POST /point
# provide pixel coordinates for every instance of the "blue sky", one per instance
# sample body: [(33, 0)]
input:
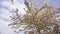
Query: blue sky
[(6, 6)]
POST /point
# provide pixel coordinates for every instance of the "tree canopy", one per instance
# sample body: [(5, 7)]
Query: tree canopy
[(37, 20)]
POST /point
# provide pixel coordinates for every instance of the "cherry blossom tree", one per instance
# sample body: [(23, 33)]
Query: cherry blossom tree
[(37, 20)]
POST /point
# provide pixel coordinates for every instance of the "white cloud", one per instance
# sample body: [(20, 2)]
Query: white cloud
[(4, 29), (16, 4), (5, 13)]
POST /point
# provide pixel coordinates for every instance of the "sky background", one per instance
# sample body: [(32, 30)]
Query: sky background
[(6, 6)]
